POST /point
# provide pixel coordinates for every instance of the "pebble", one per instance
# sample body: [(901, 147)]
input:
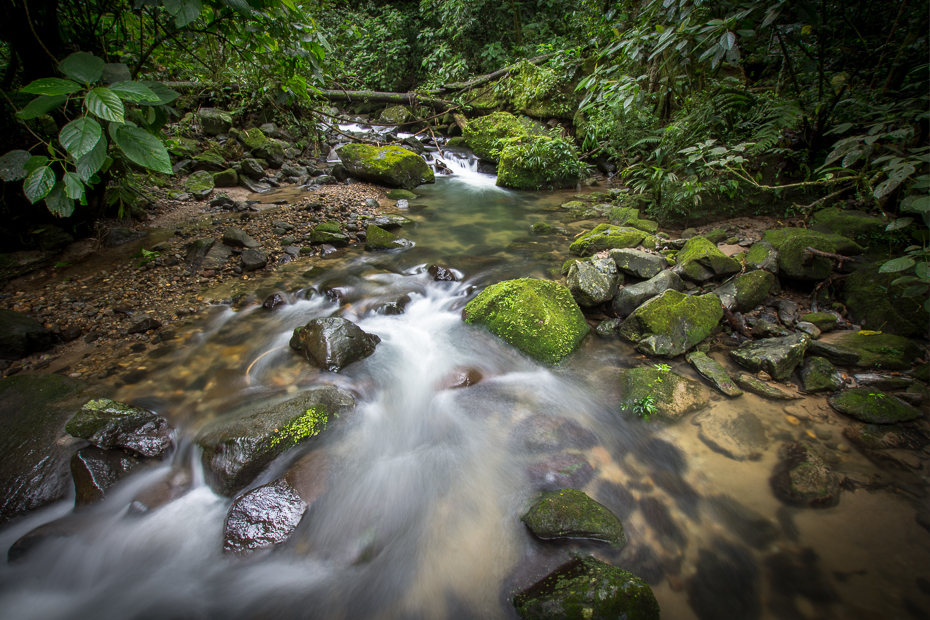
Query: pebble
[(793, 420)]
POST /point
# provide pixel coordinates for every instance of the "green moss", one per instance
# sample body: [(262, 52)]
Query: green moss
[(199, 183), (621, 215), (392, 165), (716, 236), (675, 395), (538, 317), (484, 134), (824, 321), (645, 225), (379, 239), (854, 225), (569, 513), (456, 142), (571, 205), (885, 351), (606, 237), (401, 194), (881, 306), (537, 162), (671, 323), (873, 406), (310, 424), (700, 260), (330, 226)]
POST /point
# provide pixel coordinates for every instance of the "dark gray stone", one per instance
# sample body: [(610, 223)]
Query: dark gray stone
[(94, 471), (638, 263), (333, 343), (253, 259), (109, 424), (631, 297), (21, 335), (237, 238), (711, 370), (263, 517), (776, 356)]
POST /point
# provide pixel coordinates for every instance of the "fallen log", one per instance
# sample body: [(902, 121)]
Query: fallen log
[(411, 99)]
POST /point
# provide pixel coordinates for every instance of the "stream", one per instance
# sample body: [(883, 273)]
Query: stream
[(418, 514)]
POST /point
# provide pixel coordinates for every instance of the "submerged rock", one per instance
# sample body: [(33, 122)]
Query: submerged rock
[(390, 165), (538, 317), (675, 396), (108, 424), (569, 513), (333, 343), (776, 356), (263, 517), (761, 388), (873, 406), (711, 370), (879, 350), (21, 335), (631, 297), (379, 239), (802, 478), (671, 323), (736, 434), (587, 589), (819, 375), (565, 470)]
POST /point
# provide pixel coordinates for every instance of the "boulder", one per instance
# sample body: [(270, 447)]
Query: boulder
[(675, 395), (879, 305), (226, 178), (637, 263), (762, 256), (761, 388), (263, 517), (631, 297), (879, 350), (94, 471), (269, 149), (199, 184), (379, 239), (883, 382), (569, 513), (483, 135), (390, 222), (390, 165), (746, 291), (711, 370), (237, 238), (252, 169), (791, 243), (819, 375), (776, 356), (211, 161), (238, 446), (333, 343), (395, 115), (252, 260), (565, 470), (538, 317), (537, 162), (873, 406), (589, 286), (837, 354), (801, 478), (824, 321), (587, 589), (109, 424), (700, 260), (738, 435), (213, 121), (856, 225), (671, 323), (21, 335), (401, 194), (606, 237)]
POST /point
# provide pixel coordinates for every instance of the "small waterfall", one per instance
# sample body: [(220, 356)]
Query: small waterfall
[(464, 167)]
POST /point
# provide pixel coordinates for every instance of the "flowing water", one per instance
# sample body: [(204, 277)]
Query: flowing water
[(422, 486)]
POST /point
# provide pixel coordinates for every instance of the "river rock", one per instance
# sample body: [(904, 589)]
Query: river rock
[(725, 584), (883, 382), (199, 184), (776, 356), (801, 478), (94, 471), (390, 222), (225, 178), (791, 243), (538, 317), (761, 388), (263, 517), (269, 149), (238, 446), (745, 292), (379, 239), (274, 301), (21, 335), (401, 194), (251, 169), (676, 396), (569, 513), (587, 589), (819, 375), (808, 328), (34, 450), (542, 432), (700, 260), (109, 424), (825, 321), (637, 263), (739, 435), (671, 323), (606, 237), (762, 256), (837, 354), (438, 273), (214, 121), (390, 165), (631, 297), (565, 470), (333, 343), (873, 406), (237, 238), (880, 350), (711, 370), (252, 260), (589, 286), (879, 305), (764, 328)]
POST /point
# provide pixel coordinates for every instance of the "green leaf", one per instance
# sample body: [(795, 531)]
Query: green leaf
[(904, 280), (13, 165), (896, 265), (39, 183), (34, 162), (41, 105), (914, 291), (727, 39), (80, 136), (240, 5), (923, 271), (188, 11), (89, 164), (898, 224), (165, 95), (920, 204), (74, 187), (143, 148), (51, 86), (82, 67), (105, 104), (134, 91), (58, 201)]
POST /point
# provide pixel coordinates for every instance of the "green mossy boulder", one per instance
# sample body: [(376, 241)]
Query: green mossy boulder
[(569, 513), (484, 134), (538, 317), (390, 165), (745, 292), (676, 396), (200, 184), (711, 370), (883, 351), (537, 162), (457, 142), (573, 205), (671, 323), (856, 225), (762, 256), (716, 235), (587, 589), (619, 216), (700, 260), (791, 243), (379, 239), (776, 356), (873, 406), (213, 121), (226, 178), (825, 321), (648, 226), (763, 389), (401, 194), (819, 375), (881, 306), (329, 232), (211, 160), (263, 147), (588, 285), (606, 237), (396, 114)]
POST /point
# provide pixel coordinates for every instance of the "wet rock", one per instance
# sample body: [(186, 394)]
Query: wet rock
[(461, 377), (700, 260), (199, 184), (237, 238), (34, 450), (252, 169), (761, 388), (438, 273), (819, 375), (569, 513), (109, 424), (883, 382), (263, 517), (671, 323), (252, 260), (308, 476), (880, 350), (878, 304), (711, 370), (792, 261), (802, 478), (762, 256), (390, 165), (21, 335), (637, 263), (808, 328), (237, 447), (214, 121), (379, 239), (333, 343), (873, 406), (397, 306), (94, 471), (589, 286), (329, 232), (146, 324), (538, 317), (587, 589), (401, 194), (837, 354), (171, 487), (542, 432), (253, 186), (606, 237), (747, 291), (764, 328), (629, 298), (888, 445), (776, 356), (676, 396), (725, 584), (608, 327), (391, 222), (736, 434), (225, 178), (825, 321), (274, 301), (59, 529), (119, 236), (565, 470)]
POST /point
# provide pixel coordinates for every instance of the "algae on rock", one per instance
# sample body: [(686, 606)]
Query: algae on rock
[(675, 395), (570, 513), (391, 165), (671, 323)]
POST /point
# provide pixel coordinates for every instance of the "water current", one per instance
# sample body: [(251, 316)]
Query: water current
[(421, 488)]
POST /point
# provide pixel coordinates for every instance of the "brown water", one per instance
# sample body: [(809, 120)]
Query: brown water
[(420, 517)]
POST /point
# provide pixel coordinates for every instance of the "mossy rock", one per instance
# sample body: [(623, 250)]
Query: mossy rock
[(884, 351), (574, 205), (570, 514), (873, 406), (747, 291), (824, 321), (711, 370), (819, 375), (330, 226), (699, 260), (644, 225), (184, 148), (762, 255), (791, 243), (396, 114), (200, 184), (214, 121), (226, 178), (676, 396), (776, 356), (536, 162), (801, 478), (379, 239), (109, 424), (587, 589), (671, 323), (210, 160), (401, 194), (390, 165), (457, 142), (881, 306), (715, 236), (484, 134), (263, 147), (619, 216), (606, 237), (538, 317), (855, 225)]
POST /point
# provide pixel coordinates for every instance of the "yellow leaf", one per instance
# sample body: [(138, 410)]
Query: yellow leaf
[(866, 332), (806, 29)]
